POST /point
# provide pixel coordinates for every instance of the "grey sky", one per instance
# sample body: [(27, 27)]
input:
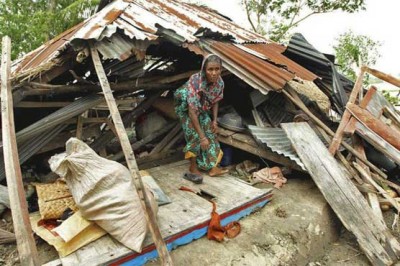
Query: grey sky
[(378, 22)]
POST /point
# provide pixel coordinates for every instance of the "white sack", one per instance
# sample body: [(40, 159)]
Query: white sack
[(104, 192)]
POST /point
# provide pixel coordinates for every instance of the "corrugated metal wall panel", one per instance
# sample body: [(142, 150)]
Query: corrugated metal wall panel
[(277, 141)]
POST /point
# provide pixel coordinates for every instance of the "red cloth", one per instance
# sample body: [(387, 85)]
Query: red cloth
[(216, 231)]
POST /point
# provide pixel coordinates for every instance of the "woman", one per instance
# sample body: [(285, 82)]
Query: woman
[(195, 102)]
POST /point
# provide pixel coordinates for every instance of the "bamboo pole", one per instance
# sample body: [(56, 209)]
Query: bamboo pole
[(19, 208), (130, 159)]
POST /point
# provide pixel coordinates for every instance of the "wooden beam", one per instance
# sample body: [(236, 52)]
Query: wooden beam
[(130, 159), (331, 133), (375, 239), (6, 237), (337, 138), (25, 242), (151, 83), (351, 125), (376, 125), (385, 77)]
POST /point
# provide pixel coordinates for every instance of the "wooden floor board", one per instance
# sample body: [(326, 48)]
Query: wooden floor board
[(187, 210)]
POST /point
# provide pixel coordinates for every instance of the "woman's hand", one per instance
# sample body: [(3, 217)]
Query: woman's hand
[(204, 143), (214, 127)]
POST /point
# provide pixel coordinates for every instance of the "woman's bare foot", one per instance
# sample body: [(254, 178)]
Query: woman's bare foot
[(215, 171)]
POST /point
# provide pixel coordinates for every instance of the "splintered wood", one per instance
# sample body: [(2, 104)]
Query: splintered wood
[(373, 236)]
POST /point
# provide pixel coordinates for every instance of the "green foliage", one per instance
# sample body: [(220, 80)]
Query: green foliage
[(355, 50), (30, 23), (392, 99), (276, 18)]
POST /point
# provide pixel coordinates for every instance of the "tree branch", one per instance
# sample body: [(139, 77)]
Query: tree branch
[(248, 15)]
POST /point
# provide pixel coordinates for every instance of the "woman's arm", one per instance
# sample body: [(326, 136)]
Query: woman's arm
[(214, 125), (204, 143)]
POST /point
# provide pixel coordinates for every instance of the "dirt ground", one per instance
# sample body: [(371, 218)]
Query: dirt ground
[(296, 228)]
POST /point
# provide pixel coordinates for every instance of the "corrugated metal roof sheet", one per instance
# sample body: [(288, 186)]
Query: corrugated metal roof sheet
[(29, 148), (273, 52), (277, 141), (139, 20), (299, 46), (274, 108), (302, 52), (267, 75)]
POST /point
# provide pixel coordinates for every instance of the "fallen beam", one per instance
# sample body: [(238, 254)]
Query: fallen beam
[(373, 236), (130, 158)]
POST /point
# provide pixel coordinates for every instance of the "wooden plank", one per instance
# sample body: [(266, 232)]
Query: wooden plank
[(337, 138), (130, 158), (391, 115), (375, 239), (25, 242), (376, 125), (331, 133)]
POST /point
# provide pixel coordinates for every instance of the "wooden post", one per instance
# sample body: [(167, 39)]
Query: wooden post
[(79, 127), (130, 158), (23, 232), (337, 138)]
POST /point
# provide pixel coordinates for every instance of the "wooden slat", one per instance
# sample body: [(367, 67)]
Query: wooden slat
[(375, 239), (376, 125), (25, 243), (130, 158), (337, 138)]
